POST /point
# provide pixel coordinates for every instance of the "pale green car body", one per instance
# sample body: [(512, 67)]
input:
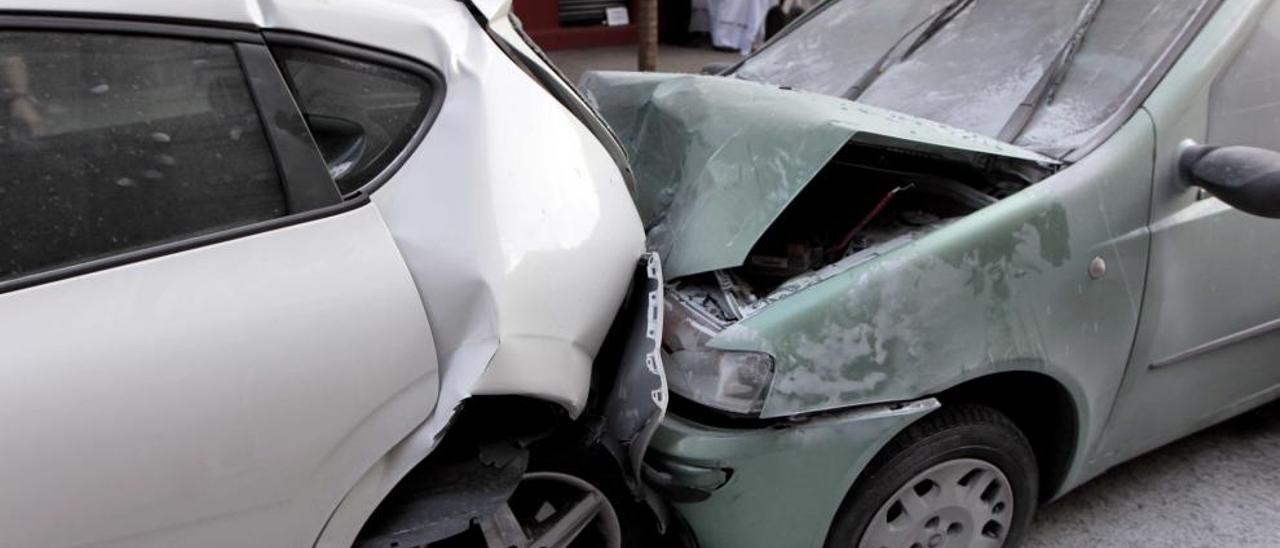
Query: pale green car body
[(1176, 334)]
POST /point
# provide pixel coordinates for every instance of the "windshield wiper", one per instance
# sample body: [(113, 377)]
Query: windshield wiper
[(1047, 87), (931, 25)]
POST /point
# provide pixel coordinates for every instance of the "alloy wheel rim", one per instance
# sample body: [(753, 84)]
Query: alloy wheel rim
[(566, 512), (959, 503)]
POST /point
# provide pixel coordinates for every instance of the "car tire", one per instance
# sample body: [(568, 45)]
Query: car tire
[(962, 476)]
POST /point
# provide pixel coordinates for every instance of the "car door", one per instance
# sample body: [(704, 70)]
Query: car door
[(201, 342), (1207, 342)]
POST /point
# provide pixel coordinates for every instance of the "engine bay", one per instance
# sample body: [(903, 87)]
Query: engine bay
[(866, 202)]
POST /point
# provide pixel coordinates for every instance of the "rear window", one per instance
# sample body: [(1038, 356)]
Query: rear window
[(362, 115)]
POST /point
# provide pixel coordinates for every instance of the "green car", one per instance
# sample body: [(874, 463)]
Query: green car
[(931, 264)]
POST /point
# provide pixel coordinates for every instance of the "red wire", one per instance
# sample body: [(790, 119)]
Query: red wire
[(844, 244)]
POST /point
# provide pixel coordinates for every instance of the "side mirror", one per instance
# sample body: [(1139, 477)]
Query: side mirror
[(1246, 178)]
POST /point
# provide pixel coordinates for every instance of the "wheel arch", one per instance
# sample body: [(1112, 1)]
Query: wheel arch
[(1042, 407), (399, 463)]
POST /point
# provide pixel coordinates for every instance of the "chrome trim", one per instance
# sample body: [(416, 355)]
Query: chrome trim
[(886, 410), (1221, 342)]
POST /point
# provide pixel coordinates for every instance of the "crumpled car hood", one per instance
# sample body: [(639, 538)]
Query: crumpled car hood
[(718, 159)]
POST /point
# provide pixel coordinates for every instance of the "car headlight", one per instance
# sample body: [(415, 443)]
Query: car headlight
[(731, 381)]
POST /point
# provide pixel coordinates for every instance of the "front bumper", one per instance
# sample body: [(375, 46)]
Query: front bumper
[(773, 486)]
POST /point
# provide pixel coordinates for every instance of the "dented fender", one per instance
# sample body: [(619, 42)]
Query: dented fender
[(1006, 288)]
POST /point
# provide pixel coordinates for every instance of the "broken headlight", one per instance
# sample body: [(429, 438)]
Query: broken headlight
[(727, 380)]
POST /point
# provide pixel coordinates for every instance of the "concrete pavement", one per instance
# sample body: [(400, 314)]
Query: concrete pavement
[(1218, 488)]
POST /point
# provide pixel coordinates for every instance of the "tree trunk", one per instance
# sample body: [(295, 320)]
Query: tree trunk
[(647, 23)]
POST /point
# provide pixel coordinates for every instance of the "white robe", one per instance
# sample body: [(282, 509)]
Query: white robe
[(734, 24)]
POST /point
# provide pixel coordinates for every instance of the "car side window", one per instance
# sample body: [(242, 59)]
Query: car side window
[(363, 115), (1244, 103), (110, 143)]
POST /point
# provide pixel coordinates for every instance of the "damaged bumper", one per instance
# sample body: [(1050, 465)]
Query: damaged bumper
[(637, 402), (777, 485)]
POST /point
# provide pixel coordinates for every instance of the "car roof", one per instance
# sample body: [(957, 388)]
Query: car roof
[(395, 25), (242, 12), (236, 12)]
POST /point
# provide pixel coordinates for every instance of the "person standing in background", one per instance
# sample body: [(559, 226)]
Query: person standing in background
[(783, 14)]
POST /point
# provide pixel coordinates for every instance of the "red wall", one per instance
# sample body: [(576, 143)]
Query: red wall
[(542, 21)]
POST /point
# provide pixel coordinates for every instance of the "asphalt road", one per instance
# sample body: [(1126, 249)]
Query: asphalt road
[(1218, 488)]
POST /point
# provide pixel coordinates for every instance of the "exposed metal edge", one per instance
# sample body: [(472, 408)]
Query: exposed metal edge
[(1221, 342), (868, 412), (886, 410)]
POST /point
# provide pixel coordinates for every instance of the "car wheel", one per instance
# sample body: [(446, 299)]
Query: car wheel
[(554, 509), (964, 476)]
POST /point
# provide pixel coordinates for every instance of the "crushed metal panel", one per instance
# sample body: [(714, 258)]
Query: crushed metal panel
[(1005, 288), (638, 401), (718, 159)]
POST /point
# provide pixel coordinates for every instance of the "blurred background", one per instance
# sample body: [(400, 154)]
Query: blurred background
[(664, 35)]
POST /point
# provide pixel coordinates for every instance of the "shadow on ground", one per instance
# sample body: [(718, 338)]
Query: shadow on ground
[(1218, 488)]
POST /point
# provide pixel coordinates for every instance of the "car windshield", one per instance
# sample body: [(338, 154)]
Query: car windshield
[(978, 67)]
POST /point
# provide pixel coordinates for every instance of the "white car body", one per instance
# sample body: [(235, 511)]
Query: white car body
[(270, 390)]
